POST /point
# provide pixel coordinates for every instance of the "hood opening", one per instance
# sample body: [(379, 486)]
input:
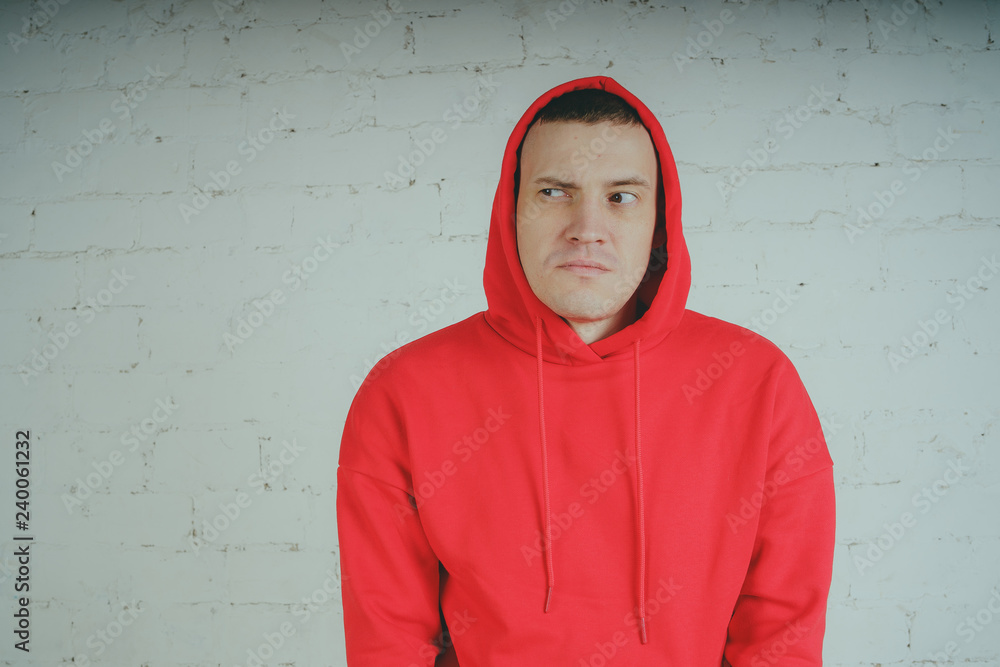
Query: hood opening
[(513, 306)]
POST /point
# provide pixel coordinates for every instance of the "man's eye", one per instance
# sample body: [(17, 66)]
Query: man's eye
[(623, 198), (552, 192)]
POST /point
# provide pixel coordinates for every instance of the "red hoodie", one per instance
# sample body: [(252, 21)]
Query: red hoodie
[(508, 495)]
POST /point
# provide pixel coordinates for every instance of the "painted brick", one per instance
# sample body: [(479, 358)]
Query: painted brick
[(901, 76), (440, 40)]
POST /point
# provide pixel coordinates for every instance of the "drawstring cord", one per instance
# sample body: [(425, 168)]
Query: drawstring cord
[(550, 574), (549, 568), (640, 506)]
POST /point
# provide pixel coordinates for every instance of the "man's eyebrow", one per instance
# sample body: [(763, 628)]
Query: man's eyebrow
[(567, 185), (554, 182), (631, 180)]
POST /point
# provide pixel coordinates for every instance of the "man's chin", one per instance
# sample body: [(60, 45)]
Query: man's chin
[(588, 309)]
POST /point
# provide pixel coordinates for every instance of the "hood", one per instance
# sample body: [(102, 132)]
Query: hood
[(520, 317), (513, 309)]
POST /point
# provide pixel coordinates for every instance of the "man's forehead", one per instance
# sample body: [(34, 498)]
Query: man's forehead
[(581, 144)]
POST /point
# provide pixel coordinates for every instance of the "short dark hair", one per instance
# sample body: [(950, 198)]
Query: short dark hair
[(590, 106)]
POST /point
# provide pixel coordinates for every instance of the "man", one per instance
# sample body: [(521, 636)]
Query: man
[(587, 472)]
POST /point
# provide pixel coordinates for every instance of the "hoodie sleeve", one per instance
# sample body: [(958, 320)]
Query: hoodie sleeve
[(389, 573), (780, 615)]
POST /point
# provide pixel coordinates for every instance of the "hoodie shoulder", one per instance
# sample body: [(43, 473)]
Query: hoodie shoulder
[(717, 333), (432, 351)]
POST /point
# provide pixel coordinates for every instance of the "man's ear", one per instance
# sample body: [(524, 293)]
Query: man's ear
[(660, 230), (659, 234)]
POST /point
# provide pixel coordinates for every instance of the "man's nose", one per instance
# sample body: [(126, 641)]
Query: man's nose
[(587, 221)]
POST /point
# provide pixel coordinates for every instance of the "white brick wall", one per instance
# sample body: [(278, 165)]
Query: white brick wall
[(136, 539)]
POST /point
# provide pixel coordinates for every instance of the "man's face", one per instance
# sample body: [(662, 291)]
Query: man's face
[(586, 212)]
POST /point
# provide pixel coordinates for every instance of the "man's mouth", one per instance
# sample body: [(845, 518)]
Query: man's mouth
[(585, 267)]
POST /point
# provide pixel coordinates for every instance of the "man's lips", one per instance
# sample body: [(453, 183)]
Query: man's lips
[(584, 267)]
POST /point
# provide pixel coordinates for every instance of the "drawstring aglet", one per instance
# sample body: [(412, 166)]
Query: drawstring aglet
[(548, 599), (642, 629)]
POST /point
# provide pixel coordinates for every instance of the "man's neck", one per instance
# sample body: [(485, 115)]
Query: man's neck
[(591, 331)]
